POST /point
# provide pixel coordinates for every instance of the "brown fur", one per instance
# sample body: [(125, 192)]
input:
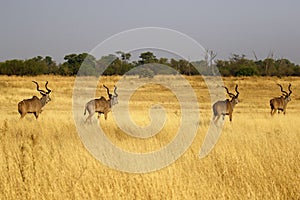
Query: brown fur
[(222, 108), (35, 104), (101, 105), (280, 103)]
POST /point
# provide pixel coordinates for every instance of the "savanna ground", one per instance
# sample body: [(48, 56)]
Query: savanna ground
[(256, 157)]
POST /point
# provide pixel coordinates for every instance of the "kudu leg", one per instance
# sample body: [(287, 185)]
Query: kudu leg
[(99, 114), (36, 114), (89, 118), (284, 109), (217, 118), (23, 115), (273, 111)]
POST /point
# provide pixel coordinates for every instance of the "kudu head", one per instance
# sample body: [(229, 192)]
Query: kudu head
[(45, 95), (112, 97), (234, 98), (286, 95)]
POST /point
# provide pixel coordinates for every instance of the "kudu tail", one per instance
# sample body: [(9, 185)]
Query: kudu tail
[(215, 113), (20, 105), (271, 103)]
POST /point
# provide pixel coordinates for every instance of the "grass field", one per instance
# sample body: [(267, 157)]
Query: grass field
[(256, 157)]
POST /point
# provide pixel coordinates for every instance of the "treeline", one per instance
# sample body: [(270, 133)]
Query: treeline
[(241, 66), (119, 64)]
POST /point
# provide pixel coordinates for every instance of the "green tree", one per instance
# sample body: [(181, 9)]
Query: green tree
[(73, 62), (125, 57), (270, 69), (109, 62), (52, 67), (147, 57), (12, 67)]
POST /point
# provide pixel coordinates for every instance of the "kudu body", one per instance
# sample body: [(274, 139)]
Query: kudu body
[(280, 103), (35, 104), (101, 105), (225, 107)]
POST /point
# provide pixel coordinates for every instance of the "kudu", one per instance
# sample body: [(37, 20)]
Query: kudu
[(225, 107), (280, 103), (101, 105), (35, 104)]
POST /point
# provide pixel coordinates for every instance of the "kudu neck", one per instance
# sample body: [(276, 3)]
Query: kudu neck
[(110, 103), (233, 102), (43, 100)]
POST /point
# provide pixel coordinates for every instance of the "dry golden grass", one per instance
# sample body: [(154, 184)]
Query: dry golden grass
[(256, 157)]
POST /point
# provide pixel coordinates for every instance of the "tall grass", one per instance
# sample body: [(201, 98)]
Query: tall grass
[(256, 157)]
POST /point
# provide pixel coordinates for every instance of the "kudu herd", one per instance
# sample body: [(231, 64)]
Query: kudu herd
[(222, 108), (101, 105), (280, 103), (35, 104), (104, 106)]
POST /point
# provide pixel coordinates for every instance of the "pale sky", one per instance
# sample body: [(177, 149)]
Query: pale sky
[(57, 28)]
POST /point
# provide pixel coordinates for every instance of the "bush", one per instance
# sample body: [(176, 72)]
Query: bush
[(247, 71)]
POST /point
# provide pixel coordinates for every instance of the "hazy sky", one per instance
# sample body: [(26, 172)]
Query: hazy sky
[(56, 28)]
